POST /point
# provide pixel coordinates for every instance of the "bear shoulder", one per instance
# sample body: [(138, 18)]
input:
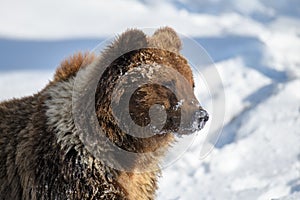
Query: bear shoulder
[(71, 65)]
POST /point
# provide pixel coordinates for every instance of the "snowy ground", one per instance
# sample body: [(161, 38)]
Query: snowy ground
[(255, 46)]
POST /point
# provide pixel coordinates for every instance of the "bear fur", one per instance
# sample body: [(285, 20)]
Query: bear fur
[(43, 158)]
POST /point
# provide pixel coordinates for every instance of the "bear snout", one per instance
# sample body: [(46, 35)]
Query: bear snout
[(200, 118), (192, 119)]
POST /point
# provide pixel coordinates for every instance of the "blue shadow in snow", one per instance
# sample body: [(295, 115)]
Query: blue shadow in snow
[(30, 54), (230, 130), (250, 49)]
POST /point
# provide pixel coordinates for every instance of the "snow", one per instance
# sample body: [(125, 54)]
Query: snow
[(17, 84), (255, 46)]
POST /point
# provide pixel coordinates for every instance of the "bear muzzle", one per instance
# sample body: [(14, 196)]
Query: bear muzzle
[(200, 118), (193, 120)]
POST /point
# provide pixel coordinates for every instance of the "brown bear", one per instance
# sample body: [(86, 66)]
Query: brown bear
[(50, 146)]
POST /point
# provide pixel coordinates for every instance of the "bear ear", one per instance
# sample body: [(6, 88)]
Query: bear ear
[(130, 40), (165, 38)]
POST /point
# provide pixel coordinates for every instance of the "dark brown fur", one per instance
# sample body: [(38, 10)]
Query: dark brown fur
[(35, 164)]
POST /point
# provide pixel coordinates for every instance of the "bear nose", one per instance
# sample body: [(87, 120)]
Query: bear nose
[(201, 117)]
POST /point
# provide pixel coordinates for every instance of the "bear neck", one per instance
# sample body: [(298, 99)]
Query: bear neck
[(136, 185)]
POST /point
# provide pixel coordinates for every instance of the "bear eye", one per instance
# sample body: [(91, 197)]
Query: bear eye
[(170, 83)]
